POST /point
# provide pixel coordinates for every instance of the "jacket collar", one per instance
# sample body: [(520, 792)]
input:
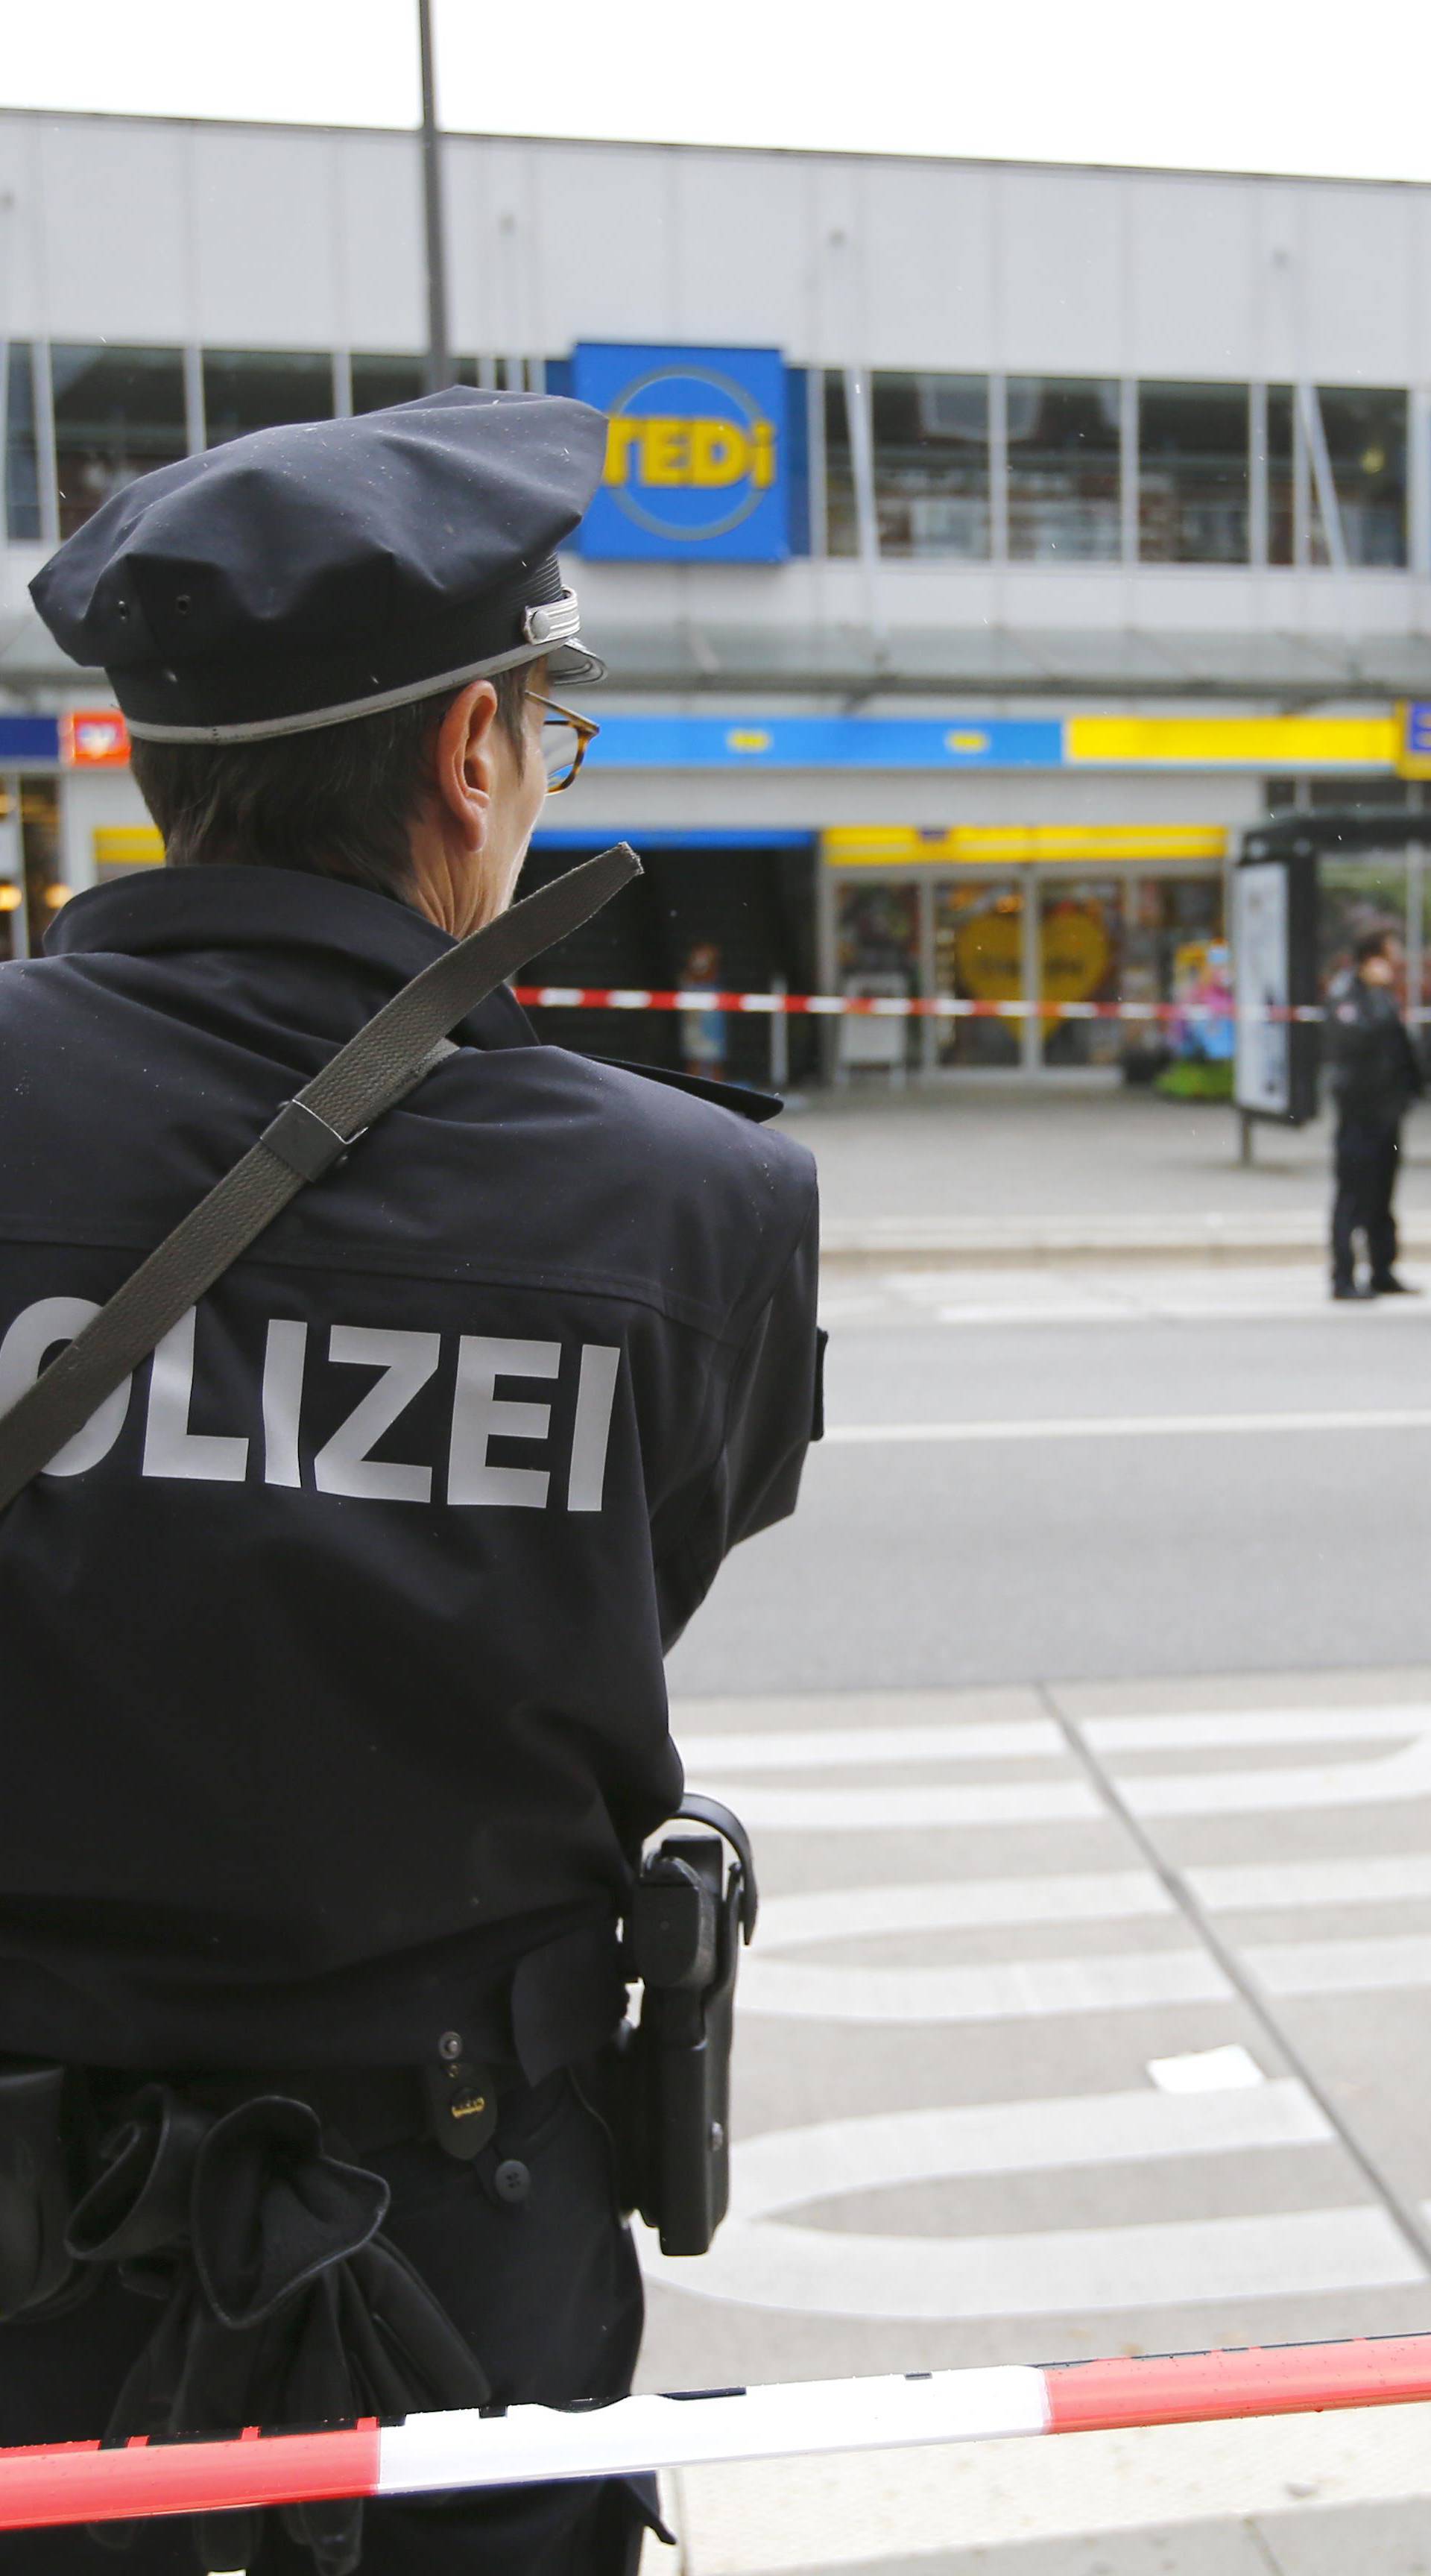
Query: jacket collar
[(168, 910)]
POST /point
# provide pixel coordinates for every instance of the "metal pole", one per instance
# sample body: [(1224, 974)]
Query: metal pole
[(1323, 479), (439, 360), (779, 1037)]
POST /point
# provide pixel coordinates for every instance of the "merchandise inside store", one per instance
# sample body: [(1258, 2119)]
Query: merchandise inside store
[(1029, 937)]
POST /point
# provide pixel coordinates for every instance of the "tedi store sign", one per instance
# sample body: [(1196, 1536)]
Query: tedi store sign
[(695, 454)]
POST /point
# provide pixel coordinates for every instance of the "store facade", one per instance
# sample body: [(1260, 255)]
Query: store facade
[(961, 610)]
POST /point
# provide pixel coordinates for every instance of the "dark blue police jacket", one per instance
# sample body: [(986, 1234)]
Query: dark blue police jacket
[(331, 1649)]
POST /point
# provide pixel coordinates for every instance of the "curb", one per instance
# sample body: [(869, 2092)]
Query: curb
[(945, 1243)]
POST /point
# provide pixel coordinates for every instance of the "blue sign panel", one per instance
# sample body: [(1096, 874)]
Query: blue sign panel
[(828, 742), (696, 467), (26, 738), (1416, 738)]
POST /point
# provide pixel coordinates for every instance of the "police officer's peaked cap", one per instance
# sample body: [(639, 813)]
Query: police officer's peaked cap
[(307, 575)]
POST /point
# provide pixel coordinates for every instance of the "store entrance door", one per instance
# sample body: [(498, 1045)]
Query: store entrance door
[(980, 937), (879, 956), (1079, 956)]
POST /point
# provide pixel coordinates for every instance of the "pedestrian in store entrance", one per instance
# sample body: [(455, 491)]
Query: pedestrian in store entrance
[(1375, 1075)]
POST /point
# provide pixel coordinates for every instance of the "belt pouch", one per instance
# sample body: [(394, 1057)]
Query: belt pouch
[(36, 2184)]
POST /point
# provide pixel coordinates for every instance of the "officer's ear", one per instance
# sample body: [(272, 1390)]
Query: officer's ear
[(464, 775)]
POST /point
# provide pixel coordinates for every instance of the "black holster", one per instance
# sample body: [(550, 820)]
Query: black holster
[(687, 1915), (44, 2132)]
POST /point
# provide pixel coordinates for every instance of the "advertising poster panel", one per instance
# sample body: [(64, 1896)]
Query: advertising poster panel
[(1274, 965), (1260, 947)]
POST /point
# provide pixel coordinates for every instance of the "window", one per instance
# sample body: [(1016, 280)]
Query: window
[(380, 382), (1281, 476), (841, 522), (931, 465), (1193, 481), (1063, 469), (1365, 430), (22, 473), (248, 389), (118, 414)]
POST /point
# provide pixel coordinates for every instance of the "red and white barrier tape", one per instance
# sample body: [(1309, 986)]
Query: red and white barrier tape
[(939, 1006), (80, 2482)]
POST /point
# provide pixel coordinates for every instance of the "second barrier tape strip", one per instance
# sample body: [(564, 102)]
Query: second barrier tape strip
[(940, 1006), (84, 2482)]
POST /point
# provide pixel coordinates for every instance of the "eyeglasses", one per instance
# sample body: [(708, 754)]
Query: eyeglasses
[(565, 742)]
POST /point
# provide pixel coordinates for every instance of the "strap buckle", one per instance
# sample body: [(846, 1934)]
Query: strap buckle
[(306, 1142)]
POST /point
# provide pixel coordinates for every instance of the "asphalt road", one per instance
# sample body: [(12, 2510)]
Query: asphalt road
[(1082, 1719), (948, 1561)]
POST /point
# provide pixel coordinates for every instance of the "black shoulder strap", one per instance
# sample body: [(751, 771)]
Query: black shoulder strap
[(372, 1072)]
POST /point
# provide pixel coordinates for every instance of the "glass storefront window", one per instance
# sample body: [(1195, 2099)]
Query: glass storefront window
[(1080, 948), (1193, 478), (118, 414), (379, 382), (1281, 476), (1163, 914), (22, 471), (978, 957), (1064, 476), (1357, 895), (841, 526), (877, 954), (12, 893), (931, 464), (1365, 428), (260, 388), (44, 888)]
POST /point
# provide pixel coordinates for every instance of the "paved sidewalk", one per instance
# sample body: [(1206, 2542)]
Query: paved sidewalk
[(1083, 2019), (1290, 2496), (1000, 1172)]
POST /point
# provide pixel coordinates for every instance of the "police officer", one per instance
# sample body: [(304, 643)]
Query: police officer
[(335, 1714), (1375, 1076)]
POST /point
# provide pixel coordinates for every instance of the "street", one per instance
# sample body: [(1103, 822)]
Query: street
[(1087, 2011), (940, 1561)]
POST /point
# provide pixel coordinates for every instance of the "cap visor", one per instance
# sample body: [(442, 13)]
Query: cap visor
[(572, 665)]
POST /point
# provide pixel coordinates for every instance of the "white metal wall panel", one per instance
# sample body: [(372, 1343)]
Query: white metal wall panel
[(1356, 290), (116, 240), (930, 268), (745, 244), (841, 315), (265, 237), (23, 300), (1063, 287), (377, 256), (1191, 268), (1278, 253), (495, 193), (606, 257), (1419, 322)]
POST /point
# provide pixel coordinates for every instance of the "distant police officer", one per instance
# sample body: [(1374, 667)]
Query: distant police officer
[(334, 1704), (1375, 1076)]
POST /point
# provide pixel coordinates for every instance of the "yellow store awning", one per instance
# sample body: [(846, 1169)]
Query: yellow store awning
[(127, 845), (1003, 845)]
